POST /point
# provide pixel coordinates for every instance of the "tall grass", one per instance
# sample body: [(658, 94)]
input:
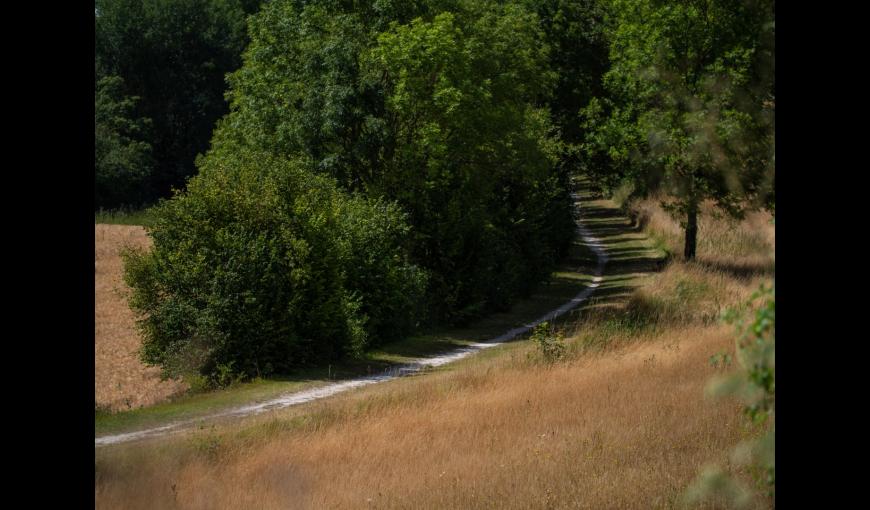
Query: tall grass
[(742, 248), (595, 432)]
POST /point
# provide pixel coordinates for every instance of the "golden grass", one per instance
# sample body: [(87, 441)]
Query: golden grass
[(627, 429), (622, 423), (121, 381), (742, 248)]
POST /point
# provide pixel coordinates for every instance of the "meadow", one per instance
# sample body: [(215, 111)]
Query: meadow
[(620, 421)]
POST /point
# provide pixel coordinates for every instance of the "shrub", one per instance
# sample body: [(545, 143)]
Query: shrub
[(551, 343), (265, 266)]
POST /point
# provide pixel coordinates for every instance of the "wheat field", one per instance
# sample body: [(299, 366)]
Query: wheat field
[(121, 381)]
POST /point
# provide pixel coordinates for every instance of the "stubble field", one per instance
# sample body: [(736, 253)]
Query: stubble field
[(121, 381)]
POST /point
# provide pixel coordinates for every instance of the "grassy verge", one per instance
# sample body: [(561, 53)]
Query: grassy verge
[(191, 406), (561, 287), (124, 217)]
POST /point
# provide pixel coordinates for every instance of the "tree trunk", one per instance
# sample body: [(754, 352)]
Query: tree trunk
[(691, 231)]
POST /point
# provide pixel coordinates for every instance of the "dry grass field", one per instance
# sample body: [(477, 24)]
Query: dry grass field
[(121, 381), (624, 430), (621, 422)]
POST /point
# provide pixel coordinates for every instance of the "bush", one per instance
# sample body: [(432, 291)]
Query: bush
[(262, 266), (551, 343)]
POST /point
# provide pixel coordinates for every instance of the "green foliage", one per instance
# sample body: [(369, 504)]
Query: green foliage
[(472, 162), (262, 266), (720, 359), (225, 375), (122, 156), (574, 30), (690, 104), (755, 384), (756, 354), (550, 342), (383, 163), (431, 105), (173, 56)]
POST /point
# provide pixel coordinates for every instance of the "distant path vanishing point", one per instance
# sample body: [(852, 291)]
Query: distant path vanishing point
[(301, 397)]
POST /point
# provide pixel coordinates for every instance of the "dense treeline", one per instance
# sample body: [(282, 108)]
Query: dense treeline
[(386, 165), (172, 56), (122, 156), (441, 114)]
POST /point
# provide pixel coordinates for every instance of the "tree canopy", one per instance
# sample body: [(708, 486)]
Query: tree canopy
[(173, 56), (364, 168), (439, 110), (689, 104), (122, 155), (382, 166)]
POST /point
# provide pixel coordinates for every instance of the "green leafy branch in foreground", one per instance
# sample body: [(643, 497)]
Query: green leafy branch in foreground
[(755, 384)]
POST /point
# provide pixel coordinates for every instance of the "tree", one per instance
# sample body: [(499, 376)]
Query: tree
[(690, 105), (470, 157), (173, 55), (122, 156), (435, 105)]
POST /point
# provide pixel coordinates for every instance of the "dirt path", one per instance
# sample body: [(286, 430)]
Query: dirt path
[(301, 397)]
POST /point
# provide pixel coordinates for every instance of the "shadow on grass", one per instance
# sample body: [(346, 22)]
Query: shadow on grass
[(740, 271)]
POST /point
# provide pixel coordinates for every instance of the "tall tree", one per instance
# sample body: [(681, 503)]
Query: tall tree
[(574, 30), (122, 155), (173, 55), (437, 105), (469, 154), (689, 109)]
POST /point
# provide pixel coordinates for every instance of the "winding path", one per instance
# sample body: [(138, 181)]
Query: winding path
[(399, 371)]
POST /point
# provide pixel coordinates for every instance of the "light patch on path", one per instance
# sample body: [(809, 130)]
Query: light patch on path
[(302, 397)]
